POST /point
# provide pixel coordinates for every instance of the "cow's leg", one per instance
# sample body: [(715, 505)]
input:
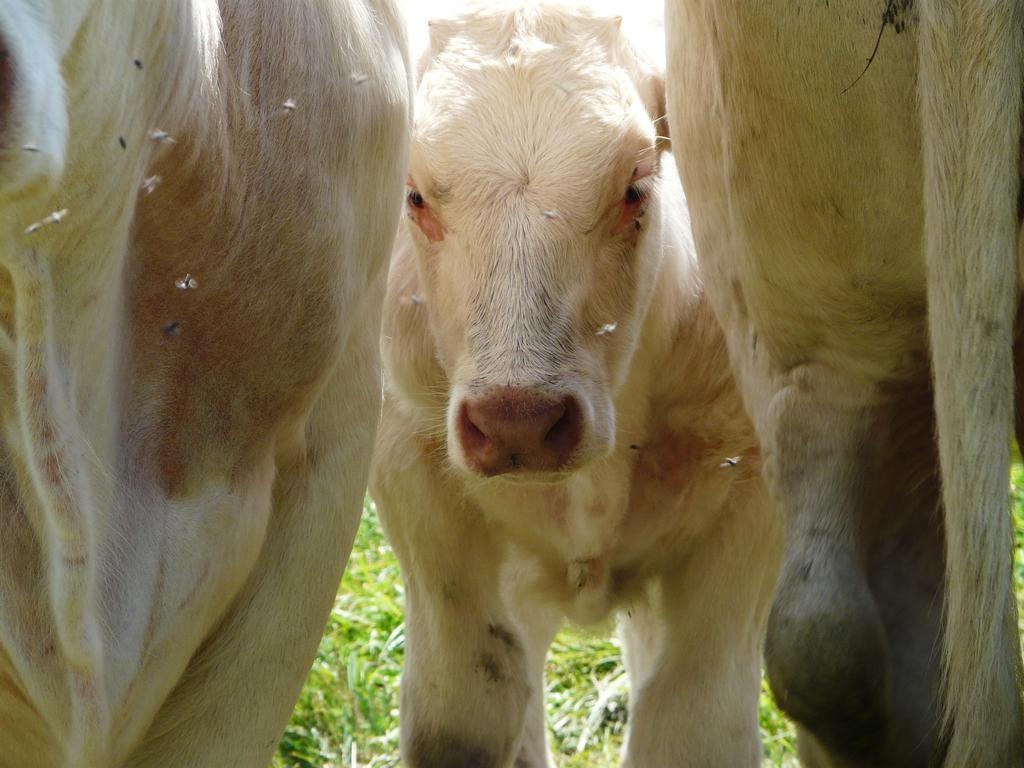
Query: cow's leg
[(698, 703), (826, 653), (905, 565), (465, 685), (538, 624), (851, 651), (239, 689)]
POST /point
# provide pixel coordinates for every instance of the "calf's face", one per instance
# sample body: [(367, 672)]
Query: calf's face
[(531, 190)]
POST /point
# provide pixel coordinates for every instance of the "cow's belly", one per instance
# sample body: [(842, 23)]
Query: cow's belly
[(804, 189)]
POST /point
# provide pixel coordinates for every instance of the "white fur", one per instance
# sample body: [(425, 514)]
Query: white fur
[(815, 219), (529, 122), (972, 56)]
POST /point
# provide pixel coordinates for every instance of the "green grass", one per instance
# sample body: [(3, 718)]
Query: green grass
[(347, 714)]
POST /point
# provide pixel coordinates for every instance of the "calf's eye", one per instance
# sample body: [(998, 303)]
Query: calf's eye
[(635, 194), (414, 198)]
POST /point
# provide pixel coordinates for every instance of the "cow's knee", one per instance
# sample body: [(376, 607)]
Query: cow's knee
[(827, 660)]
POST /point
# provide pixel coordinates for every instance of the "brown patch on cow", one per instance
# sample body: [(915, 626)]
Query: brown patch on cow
[(430, 447), (52, 469), (673, 459), (37, 385), (84, 682)]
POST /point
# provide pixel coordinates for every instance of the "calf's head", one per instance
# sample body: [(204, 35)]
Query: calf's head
[(532, 196)]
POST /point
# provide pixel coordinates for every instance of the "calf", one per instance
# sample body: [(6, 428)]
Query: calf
[(853, 169), (561, 434), (197, 203)]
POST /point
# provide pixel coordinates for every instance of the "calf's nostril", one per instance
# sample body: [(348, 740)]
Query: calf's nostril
[(564, 435), (473, 438)]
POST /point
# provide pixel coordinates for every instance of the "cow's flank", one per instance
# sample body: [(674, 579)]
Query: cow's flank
[(197, 200)]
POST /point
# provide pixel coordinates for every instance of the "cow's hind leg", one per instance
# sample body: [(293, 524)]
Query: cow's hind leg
[(695, 702), (851, 650)]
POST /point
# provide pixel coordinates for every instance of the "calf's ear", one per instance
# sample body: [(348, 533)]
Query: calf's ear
[(440, 31), (640, 49), (651, 86)]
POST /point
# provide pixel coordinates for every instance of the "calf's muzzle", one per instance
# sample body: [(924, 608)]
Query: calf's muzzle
[(519, 430)]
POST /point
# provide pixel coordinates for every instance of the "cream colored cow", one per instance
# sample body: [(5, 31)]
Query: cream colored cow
[(197, 203), (843, 214), (561, 434)]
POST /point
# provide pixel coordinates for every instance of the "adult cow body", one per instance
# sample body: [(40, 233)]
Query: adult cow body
[(843, 216), (197, 203)]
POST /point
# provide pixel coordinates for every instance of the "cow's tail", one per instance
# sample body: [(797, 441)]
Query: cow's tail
[(970, 91)]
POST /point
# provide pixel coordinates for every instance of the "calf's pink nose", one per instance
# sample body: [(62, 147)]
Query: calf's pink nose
[(518, 429)]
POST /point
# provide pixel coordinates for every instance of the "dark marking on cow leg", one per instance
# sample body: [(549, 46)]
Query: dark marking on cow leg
[(7, 84), (450, 592), (490, 667), (504, 634), (895, 14), (521, 763), (445, 750)]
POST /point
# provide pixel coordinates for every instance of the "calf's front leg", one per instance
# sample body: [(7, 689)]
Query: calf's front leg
[(465, 685), (697, 653)]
